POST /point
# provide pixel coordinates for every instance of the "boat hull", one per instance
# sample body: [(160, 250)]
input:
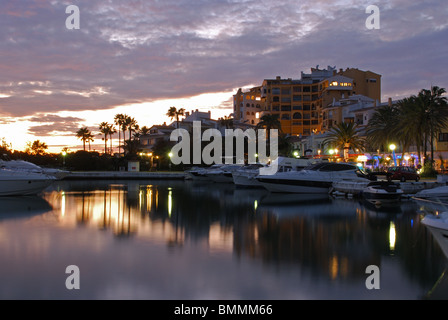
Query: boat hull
[(23, 187), (295, 185)]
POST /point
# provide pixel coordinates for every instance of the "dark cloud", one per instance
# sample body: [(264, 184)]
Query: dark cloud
[(55, 125), (134, 51)]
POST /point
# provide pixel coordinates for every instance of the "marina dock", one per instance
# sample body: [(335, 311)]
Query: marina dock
[(124, 175)]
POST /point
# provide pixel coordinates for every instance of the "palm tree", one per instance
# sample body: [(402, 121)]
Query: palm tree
[(111, 130), (144, 130), (268, 122), (382, 127), (173, 112), (85, 135), (226, 121), (436, 111), (36, 147), (119, 122), (104, 129), (131, 125), (346, 136)]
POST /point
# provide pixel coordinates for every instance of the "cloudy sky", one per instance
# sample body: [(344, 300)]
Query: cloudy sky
[(142, 56)]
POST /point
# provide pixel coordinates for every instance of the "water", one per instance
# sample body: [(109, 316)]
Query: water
[(181, 240)]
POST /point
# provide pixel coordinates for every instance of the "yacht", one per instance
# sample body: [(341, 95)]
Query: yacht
[(222, 174), (246, 176), (317, 178), (439, 222), (21, 165), (200, 173), (437, 193), (382, 192), (23, 183)]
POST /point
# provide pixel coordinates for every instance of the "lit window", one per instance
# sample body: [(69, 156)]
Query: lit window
[(334, 83)]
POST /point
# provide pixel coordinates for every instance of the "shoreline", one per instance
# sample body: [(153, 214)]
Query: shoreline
[(123, 175)]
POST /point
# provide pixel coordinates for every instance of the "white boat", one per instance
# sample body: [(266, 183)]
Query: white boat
[(317, 178), (222, 174), (246, 176), (439, 221), (350, 186), (21, 165), (382, 192), (440, 193), (200, 174), (23, 183)]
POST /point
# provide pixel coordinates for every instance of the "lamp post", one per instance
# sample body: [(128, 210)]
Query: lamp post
[(393, 147), (64, 153), (170, 155)]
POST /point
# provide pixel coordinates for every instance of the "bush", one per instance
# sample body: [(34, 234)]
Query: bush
[(428, 171)]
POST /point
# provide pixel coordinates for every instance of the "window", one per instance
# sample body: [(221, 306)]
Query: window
[(307, 89), (275, 99), (286, 91), (286, 108), (297, 89), (296, 107), (307, 107), (286, 99), (285, 116), (297, 115), (297, 123), (275, 90), (443, 137), (296, 98)]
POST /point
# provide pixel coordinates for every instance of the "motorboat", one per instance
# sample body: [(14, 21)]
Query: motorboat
[(437, 193), (23, 183), (246, 176), (382, 192), (350, 186), (200, 173), (437, 221), (317, 178), (21, 165), (222, 174)]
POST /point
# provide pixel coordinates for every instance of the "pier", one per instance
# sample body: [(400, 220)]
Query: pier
[(124, 175)]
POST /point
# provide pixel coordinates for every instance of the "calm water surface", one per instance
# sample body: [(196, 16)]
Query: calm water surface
[(181, 240)]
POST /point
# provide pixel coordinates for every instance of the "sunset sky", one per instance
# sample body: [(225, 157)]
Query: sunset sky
[(140, 57)]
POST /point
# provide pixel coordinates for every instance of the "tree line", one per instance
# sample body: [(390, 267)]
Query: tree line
[(414, 121)]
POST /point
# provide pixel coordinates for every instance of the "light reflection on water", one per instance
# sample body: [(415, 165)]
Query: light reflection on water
[(181, 240)]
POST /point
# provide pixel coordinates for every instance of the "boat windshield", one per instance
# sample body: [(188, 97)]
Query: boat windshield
[(330, 166)]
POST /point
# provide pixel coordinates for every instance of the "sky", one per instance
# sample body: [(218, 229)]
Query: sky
[(141, 57)]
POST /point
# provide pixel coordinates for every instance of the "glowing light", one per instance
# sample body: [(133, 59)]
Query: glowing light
[(392, 147), (170, 203), (255, 205), (392, 236)]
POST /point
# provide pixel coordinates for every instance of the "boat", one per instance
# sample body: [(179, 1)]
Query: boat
[(222, 174), (317, 178), (21, 165), (437, 193), (246, 176), (349, 186), (200, 173), (382, 192), (23, 183), (437, 221)]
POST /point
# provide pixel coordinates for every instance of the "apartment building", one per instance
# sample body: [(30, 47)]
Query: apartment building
[(306, 105)]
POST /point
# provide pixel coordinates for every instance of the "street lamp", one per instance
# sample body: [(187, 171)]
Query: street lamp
[(393, 147), (170, 155), (64, 153)]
